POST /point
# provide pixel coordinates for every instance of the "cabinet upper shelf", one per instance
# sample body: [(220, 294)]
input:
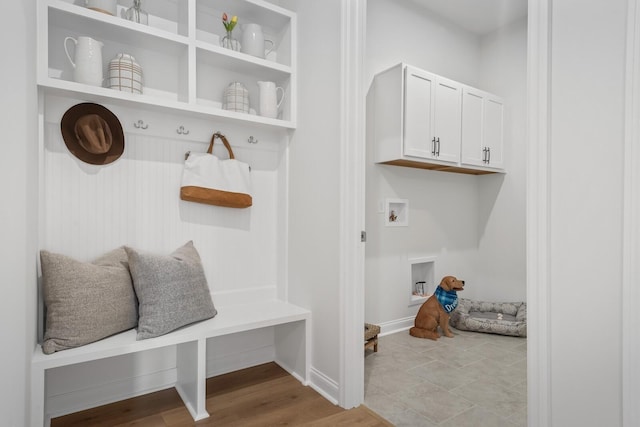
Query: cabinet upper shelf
[(184, 66)]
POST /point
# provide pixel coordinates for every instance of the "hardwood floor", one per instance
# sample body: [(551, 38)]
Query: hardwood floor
[(264, 395)]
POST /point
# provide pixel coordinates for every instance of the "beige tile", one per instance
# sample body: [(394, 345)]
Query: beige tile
[(494, 371), (472, 379), (435, 403), (398, 357), (443, 374), (410, 418), (395, 411), (492, 395), (477, 417), (392, 381), (454, 356)]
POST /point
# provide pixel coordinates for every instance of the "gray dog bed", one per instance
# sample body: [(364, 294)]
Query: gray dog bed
[(480, 316)]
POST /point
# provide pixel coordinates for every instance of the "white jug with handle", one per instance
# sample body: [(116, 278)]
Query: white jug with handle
[(269, 103), (87, 67), (253, 40)]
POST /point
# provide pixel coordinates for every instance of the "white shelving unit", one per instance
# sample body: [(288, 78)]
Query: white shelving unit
[(185, 69), (421, 270), (185, 72)]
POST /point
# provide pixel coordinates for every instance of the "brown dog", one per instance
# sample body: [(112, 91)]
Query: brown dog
[(435, 310)]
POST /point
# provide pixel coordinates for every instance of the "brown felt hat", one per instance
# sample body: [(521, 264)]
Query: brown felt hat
[(92, 133)]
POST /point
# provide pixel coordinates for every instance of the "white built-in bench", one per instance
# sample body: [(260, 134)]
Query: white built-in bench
[(292, 326)]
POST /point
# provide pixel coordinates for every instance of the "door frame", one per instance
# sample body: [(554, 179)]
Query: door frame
[(352, 198), (352, 202), (537, 211), (631, 225)]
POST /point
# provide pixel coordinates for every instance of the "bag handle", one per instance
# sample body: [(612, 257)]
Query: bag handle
[(224, 141)]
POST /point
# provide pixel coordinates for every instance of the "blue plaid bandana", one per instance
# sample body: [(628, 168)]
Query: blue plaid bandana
[(447, 299)]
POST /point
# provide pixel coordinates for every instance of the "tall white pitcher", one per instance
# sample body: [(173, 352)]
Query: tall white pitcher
[(87, 67), (253, 40), (269, 103)]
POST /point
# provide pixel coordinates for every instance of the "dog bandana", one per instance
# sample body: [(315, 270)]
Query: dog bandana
[(447, 299)]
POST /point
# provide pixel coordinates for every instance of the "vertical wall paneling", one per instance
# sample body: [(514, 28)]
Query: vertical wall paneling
[(88, 210), (135, 201)]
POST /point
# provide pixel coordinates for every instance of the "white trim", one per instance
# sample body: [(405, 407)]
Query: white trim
[(538, 331), (352, 147), (631, 226), (398, 325), (324, 385)]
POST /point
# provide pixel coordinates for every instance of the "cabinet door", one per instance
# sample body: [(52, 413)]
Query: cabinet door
[(418, 113), (493, 131), (447, 120), (482, 129), (472, 127)]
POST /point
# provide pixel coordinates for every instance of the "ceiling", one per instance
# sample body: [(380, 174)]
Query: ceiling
[(478, 16)]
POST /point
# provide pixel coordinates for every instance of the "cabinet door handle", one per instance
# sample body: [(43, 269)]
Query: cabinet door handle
[(488, 155), (438, 151), (433, 146), (484, 154)]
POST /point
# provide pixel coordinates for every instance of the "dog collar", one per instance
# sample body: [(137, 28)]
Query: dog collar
[(447, 299)]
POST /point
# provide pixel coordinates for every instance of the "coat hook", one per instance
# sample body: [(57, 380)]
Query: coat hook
[(252, 140), (182, 131), (140, 125)]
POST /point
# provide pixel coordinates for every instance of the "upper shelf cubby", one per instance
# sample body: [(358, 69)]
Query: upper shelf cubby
[(274, 21), (183, 63)]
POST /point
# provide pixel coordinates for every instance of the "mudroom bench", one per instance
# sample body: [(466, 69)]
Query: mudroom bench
[(292, 326)]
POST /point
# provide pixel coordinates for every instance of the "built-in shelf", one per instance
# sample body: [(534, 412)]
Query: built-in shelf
[(422, 284), (184, 67), (396, 212)]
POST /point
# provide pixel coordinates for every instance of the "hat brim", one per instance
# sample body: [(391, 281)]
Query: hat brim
[(67, 126)]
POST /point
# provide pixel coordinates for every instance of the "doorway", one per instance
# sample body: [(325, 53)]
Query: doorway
[(476, 240)]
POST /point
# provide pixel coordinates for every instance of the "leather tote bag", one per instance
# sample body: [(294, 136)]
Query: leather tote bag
[(213, 181)]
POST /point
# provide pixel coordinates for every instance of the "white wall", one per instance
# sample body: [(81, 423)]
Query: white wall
[(501, 220), (473, 225), (585, 212), (400, 31), (18, 209), (314, 193)]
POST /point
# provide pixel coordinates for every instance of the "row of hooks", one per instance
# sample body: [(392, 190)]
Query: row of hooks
[(140, 124)]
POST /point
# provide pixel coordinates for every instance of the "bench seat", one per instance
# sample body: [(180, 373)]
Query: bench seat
[(190, 342)]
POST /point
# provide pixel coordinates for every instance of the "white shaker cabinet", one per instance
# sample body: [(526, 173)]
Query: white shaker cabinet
[(432, 106), (417, 119), (482, 129)]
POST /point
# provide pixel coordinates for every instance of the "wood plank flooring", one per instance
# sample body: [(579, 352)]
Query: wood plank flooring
[(265, 395)]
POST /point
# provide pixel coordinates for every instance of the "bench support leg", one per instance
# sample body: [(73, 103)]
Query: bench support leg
[(191, 384), (38, 414), (293, 347)]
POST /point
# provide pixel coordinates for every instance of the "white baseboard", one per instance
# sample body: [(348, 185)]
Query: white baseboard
[(324, 385), (103, 394), (397, 325)]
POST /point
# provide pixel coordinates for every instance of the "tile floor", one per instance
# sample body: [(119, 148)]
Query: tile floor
[(473, 379)]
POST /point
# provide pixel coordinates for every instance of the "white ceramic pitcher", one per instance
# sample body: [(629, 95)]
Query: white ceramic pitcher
[(253, 40), (87, 67), (269, 103)]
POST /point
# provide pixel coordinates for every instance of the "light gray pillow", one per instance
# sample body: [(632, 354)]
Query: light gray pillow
[(172, 290), (86, 301)]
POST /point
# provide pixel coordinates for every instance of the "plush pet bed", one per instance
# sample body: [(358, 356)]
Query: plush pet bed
[(504, 318)]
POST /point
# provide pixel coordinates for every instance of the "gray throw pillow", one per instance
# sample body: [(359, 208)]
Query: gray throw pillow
[(86, 301), (172, 290)]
